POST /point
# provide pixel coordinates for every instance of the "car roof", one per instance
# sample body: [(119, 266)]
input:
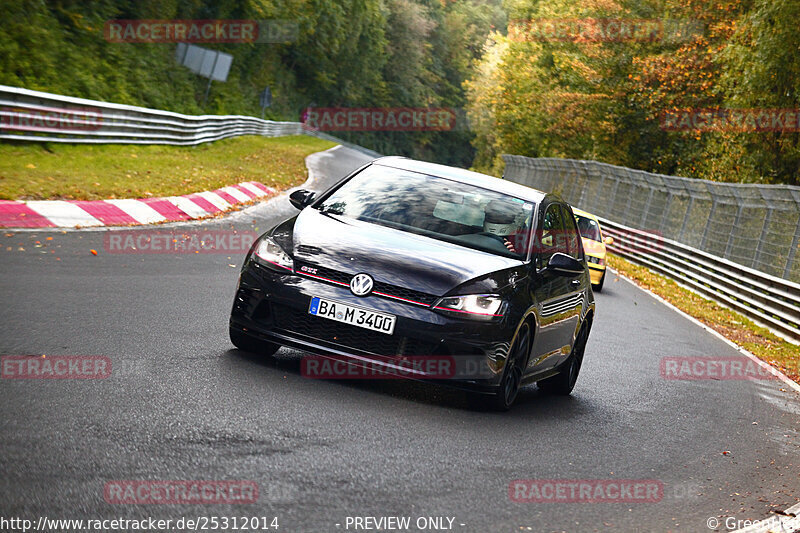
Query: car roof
[(584, 213), (463, 176)]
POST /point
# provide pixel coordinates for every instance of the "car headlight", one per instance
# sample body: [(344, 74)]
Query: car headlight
[(269, 252), (475, 306)]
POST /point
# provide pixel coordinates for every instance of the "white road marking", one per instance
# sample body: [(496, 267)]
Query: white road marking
[(253, 189), (63, 214), (215, 200), (139, 211), (187, 206), (236, 193)]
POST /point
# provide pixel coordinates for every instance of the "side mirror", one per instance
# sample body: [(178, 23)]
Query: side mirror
[(608, 240), (564, 265), (301, 198)]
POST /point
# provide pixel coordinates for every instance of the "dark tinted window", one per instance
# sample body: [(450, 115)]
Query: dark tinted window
[(551, 239), (571, 234)]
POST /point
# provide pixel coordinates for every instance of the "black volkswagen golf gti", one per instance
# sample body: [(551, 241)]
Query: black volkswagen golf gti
[(404, 260)]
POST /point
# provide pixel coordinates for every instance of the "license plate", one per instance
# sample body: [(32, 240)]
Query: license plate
[(356, 316)]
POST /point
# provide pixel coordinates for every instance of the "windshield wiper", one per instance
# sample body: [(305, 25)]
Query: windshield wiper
[(332, 213)]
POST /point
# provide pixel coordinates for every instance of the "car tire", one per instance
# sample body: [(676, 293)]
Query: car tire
[(599, 286), (246, 343), (562, 383), (505, 395)]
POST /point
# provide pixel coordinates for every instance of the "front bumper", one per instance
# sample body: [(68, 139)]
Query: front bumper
[(273, 306)]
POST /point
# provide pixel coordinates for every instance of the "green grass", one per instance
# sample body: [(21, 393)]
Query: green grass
[(759, 341), (82, 172)]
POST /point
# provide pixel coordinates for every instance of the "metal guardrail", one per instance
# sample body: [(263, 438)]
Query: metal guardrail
[(754, 225), (766, 299), (37, 116)]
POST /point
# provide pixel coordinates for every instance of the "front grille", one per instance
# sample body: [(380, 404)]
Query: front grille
[(407, 294), (329, 331), (385, 288), (327, 273)]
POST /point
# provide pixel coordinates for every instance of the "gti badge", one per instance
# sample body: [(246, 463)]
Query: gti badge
[(361, 284)]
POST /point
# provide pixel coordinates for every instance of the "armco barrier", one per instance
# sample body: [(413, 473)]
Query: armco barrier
[(768, 300), (754, 225), (650, 216), (37, 116)]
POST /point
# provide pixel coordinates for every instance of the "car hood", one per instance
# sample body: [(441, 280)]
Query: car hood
[(388, 255)]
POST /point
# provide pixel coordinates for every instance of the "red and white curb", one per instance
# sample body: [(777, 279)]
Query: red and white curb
[(82, 213)]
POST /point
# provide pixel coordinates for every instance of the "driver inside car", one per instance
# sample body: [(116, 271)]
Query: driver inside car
[(500, 221)]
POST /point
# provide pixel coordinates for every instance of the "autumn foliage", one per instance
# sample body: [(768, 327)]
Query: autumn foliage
[(601, 99)]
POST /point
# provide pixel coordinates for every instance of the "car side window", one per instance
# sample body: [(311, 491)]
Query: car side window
[(551, 239), (572, 235)]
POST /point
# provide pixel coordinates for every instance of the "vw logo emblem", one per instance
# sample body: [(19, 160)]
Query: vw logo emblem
[(361, 284)]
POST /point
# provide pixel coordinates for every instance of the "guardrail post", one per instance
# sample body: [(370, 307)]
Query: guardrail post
[(708, 222), (665, 216), (602, 181), (764, 232), (646, 209), (628, 204), (792, 252), (686, 219), (570, 197), (595, 172), (729, 244), (614, 194)]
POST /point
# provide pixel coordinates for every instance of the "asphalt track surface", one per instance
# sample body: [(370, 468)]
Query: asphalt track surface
[(182, 404)]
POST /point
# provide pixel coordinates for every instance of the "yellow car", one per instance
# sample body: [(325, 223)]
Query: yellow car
[(594, 245)]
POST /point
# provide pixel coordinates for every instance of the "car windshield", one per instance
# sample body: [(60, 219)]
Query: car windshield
[(588, 227), (437, 208)]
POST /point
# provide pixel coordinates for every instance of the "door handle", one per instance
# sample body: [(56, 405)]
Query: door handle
[(575, 282)]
